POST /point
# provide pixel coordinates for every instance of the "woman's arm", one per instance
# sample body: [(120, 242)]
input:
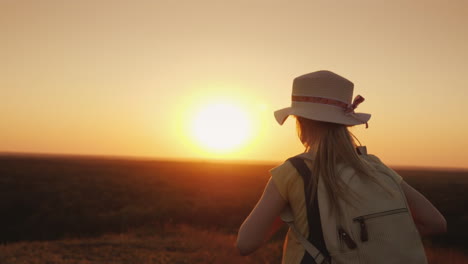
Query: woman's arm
[(427, 218), (258, 226)]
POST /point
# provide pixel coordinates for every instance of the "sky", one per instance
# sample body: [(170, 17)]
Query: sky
[(127, 78)]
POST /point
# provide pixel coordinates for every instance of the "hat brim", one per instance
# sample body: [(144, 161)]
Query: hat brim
[(335, 116)]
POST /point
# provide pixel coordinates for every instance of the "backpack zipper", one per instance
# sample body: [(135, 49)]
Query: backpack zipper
[(346, 238), (362, 220)]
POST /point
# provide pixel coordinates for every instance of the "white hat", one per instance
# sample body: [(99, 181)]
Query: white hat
[(324, 96)]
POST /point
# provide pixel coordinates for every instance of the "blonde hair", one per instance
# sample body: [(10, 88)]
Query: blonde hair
[(333, 144)]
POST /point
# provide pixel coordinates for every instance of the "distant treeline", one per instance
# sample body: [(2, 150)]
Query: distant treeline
[(47, 198)]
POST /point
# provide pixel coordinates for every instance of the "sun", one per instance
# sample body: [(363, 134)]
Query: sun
[(221, 127)]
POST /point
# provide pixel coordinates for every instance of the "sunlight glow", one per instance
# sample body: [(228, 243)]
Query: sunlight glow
[(221, 127)]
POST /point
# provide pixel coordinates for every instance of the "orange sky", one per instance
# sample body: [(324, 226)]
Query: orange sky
[(124, 77)]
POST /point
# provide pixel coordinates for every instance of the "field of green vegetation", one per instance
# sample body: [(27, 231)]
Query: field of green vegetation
[(102, 210)]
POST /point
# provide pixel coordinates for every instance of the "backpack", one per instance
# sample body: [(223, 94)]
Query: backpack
[(378, 229)]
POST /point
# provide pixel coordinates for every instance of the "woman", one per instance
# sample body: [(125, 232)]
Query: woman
[(321, 103)]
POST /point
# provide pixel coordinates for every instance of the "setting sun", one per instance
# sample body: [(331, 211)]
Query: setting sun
[(221, 127)]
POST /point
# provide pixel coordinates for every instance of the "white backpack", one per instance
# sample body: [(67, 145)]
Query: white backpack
[(378, 229)]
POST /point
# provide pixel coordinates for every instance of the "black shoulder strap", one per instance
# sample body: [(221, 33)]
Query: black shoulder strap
[(313, 213)]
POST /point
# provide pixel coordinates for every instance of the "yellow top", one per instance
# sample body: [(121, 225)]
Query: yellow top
[(291, 187)]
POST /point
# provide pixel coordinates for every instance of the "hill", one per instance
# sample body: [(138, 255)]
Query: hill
[(79, 198)]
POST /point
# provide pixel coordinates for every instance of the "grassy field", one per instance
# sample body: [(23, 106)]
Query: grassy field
[(96, 210), (179, 244), (182, 244)]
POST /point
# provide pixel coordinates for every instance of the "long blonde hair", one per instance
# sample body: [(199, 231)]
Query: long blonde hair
[(333, 144)]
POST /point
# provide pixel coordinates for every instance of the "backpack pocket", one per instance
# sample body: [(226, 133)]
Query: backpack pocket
[(362, 220)]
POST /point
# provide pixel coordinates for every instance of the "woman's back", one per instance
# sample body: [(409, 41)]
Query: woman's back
[(384, 200)]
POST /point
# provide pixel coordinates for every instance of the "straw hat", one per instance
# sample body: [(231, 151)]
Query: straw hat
[(324, 96)]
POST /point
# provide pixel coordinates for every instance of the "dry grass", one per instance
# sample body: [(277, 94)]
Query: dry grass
[(176, 245), (446, 256), (181, 244)]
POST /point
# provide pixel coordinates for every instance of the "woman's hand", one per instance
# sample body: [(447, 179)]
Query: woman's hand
[(262, 222)]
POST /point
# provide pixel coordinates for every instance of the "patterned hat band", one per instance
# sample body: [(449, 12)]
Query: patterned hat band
[(348, 108)]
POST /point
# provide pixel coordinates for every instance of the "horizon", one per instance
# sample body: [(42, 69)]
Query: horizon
[(199, 160)]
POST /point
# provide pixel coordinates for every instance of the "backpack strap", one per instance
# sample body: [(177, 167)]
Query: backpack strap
[(310, 249), (316, 251)]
